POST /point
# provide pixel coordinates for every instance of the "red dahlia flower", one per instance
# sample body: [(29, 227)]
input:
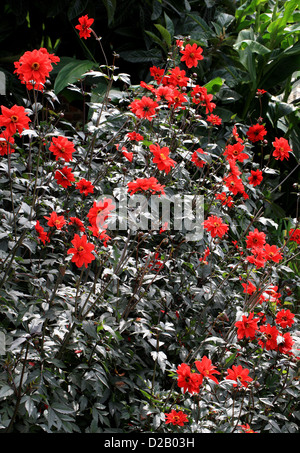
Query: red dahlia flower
[(144, 108), (256, 133), (247, 327), (81, 251), (84, 26), (14, 119), (161, 158), (64, 177), (285, 318), (286, 344), (42, 234), (240, 375), (255, 239), (256, 177), (176, 418), (100, 212), (6, 142), (77, 223), (144, 184), (226, 199), (34, 67), (61, 147), (214, 119), (235, 152), (282, 148), (269, 338), (215, 226), (206, 369), (187, 380), (191, 55), (57, 221), (295, 235), (85, 187)]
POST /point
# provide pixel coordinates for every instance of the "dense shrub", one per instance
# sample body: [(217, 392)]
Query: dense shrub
[(110, 329)]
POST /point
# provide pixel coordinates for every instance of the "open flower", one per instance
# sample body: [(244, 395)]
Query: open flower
[(256, 133), (84, 26), (57, 221), (206, 369), (191, 54), (176, 418), (285, 318), (240, 375), (34, 66), (282, 148), (14, 119), (81, 251), (63, 148), (161, 158), (215, 226), (64, 177), (85, 187), (247, 327)]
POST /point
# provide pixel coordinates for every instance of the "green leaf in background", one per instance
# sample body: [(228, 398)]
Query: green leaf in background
[(214, 85), (71, 73), (165, 34), (110, 6)]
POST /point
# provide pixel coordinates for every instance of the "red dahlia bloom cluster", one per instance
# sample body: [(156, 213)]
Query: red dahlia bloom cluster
[(191, 381), (145, 184), (261, 252)]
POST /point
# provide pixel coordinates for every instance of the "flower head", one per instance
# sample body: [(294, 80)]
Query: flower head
[(61, 147), (239, 375), (84, 26), (42, 234), (85, 187), (269, 338), (14, 119), (57, 221), (256, 133), (255, 239), (191, 54), (34, 67), (144, 108), (215, 226), (285, 318), (187, 380), (247, 327), (81, 251), (64, 177), (256, 177), (6, 142), (161, 158), (176, 418), (282, 148), (206, 369)]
